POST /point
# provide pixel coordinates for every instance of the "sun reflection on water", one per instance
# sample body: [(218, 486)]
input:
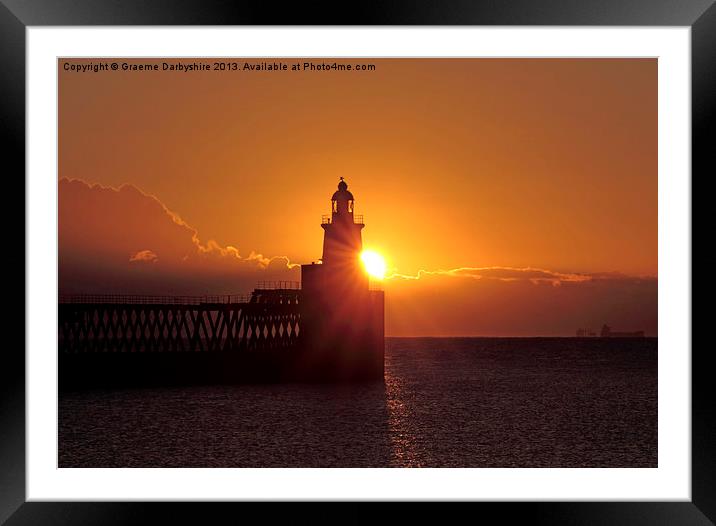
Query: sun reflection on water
[(406, 452)]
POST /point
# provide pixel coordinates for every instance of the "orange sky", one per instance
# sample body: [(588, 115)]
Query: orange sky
[(459, 163)]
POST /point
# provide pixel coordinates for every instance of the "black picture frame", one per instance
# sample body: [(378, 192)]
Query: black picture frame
[(17, 15)]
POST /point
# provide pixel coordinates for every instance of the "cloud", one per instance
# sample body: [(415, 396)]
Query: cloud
[(105, 232), (532, 275), (144, 255)]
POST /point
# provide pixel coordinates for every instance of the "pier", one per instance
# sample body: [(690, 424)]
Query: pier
[(328, 327), (266, 319)]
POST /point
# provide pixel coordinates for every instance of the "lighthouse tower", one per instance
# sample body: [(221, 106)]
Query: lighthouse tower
[(341, 319), (342, 242), (342, 239)]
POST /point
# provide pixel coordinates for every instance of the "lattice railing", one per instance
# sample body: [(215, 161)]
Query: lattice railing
[(105, 327)]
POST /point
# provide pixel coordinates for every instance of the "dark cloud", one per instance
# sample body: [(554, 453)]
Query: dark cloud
[(124, 240), (533, 275), (497, 273)]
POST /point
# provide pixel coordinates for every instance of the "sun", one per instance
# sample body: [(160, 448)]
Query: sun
[(373, 263)]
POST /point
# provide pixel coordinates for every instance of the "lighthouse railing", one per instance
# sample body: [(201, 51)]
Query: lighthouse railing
[(327, 219)]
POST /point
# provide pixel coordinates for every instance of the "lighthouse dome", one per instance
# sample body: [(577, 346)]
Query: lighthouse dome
[(342, 194)]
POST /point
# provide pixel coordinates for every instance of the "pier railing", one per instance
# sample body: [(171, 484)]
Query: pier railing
[(278, 285), (135, 299)]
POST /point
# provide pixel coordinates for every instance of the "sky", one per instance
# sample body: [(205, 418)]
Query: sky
[(508, 196)]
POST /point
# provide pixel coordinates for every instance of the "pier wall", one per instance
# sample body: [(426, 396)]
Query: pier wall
[(273, 336)]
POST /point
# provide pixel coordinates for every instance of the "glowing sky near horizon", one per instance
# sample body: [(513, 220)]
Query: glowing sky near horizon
[(455, 164)]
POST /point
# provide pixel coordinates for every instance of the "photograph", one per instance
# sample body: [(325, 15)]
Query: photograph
[(357, 262)]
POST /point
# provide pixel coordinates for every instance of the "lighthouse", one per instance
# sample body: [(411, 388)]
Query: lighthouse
[(342, 239), (341, 319)]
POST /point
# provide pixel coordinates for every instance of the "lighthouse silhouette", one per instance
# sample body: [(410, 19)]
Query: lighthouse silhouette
[(342, 241), (342, 321)]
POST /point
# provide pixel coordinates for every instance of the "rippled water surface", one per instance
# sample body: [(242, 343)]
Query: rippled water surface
[(446, 402)]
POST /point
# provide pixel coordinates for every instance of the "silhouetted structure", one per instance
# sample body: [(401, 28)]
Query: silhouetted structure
[(608, 333), (343, 319), (585, 333), (267, 319), (330, 329)]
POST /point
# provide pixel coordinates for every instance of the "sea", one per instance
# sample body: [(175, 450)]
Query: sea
[(444, 402)]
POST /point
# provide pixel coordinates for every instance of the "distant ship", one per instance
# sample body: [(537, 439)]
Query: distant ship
[(608, 333), (584, 333)]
